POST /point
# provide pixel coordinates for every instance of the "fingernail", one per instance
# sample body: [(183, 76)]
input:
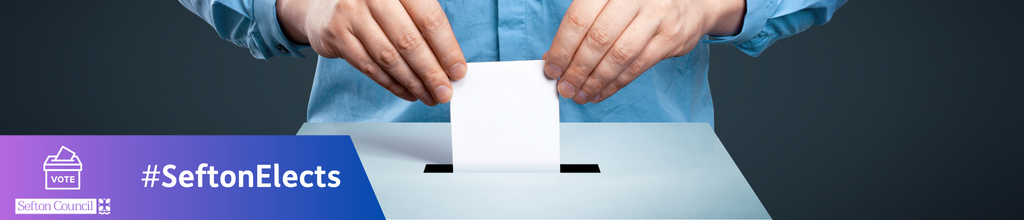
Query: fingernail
[(581, 97), (597, 98), (443, 93), (565, 89), (553, 71), (457, 71), (428, 99)]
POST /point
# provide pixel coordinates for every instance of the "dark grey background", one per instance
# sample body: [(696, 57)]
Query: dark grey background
[(895, 109)]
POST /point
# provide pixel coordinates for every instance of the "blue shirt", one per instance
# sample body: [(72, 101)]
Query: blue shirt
[(674, 90)]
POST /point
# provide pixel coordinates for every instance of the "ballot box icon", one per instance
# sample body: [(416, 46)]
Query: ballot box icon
[(63, 171)]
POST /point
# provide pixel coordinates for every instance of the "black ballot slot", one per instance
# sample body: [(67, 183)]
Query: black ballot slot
[(564, 168)]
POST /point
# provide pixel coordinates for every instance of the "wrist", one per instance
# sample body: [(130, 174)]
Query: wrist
[(727, 17), (291, 15)]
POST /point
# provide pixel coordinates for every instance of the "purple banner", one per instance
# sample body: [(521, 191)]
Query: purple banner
[(176, 177)]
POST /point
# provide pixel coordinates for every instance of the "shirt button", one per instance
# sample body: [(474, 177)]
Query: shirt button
[(282, 49)]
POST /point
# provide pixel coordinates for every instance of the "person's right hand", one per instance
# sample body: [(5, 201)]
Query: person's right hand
[(406, 46)]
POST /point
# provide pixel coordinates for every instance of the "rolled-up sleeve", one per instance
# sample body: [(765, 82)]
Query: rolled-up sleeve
[(768, 21), (247, 23)]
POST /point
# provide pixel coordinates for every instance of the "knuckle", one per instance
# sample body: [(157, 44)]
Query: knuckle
[(389, 58), (663, 4), (620, 55), (451, 56), (366, 67), (577, 18), (599, 82), (433, 73), (636, 67), (594, 84), (562, 52), (434, 20), (599, 36), (576, 72), (411, 84), (344, 6), (667, 36), (409, 41), (558, 55), (330, 34), (394, 88), (613, 87)]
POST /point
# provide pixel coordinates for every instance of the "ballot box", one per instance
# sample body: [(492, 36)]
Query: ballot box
[(63, 171), (647, 171)]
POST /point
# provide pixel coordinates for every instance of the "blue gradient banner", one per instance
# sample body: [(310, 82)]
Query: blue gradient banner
[(184, 177)]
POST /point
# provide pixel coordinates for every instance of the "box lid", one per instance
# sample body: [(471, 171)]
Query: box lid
[(54, 164)]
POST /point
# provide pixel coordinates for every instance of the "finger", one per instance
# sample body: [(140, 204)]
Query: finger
[(432, 22), (664, 44), (626, 49), (403, 34), (358, 57), (387, 58), (602, 34), (575, 23), (656, 50)]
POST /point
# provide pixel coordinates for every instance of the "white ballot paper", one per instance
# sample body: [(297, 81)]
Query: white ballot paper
[(505, 119)]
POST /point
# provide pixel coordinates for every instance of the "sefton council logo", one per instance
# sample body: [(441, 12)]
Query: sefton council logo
[(63, 172)]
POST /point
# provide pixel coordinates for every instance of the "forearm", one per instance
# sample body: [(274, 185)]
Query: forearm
[(291, 15), (247, 23), (727, 17)]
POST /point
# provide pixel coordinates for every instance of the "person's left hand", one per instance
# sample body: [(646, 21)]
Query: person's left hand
[(603, 45)]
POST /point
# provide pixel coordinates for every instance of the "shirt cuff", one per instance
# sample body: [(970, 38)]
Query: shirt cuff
[(275, 43), (758, 12)]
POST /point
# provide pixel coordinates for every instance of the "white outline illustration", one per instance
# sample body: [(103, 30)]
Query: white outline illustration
[(55, 163), (103, 205)]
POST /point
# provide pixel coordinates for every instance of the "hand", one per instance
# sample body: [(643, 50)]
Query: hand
[(603, 45), (406, 46)]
